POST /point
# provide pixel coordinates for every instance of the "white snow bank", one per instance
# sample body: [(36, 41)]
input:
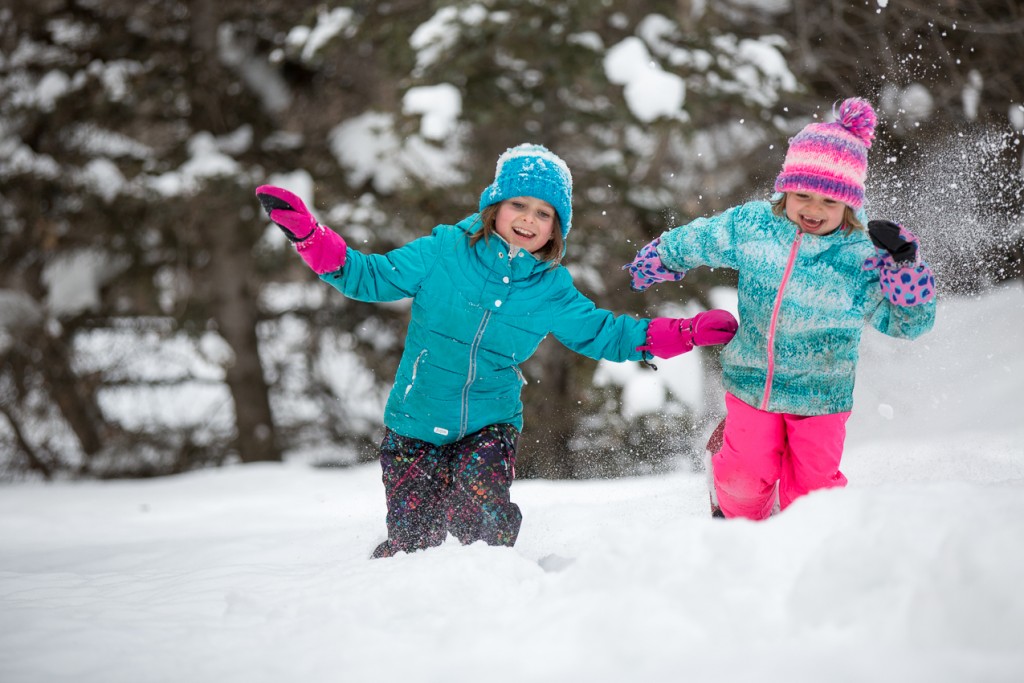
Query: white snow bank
[(259, 573)]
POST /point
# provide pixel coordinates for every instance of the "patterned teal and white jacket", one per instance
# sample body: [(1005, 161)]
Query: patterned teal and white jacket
[(803, 301), (478, 311)]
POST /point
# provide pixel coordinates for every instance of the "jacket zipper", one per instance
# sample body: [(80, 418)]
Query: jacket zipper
[(471, 370), (775, 319), (471, 374)]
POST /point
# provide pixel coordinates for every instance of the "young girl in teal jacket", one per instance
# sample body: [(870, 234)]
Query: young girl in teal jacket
[(485, 292), (810, 278)]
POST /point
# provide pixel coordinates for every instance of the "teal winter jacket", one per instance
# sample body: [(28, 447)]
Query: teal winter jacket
[(803, 301), (477, 313)]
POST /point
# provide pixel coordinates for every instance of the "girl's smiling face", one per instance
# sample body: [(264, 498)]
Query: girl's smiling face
[(814, 213), (526, 222)]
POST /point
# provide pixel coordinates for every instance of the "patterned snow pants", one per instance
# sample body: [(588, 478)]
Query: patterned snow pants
[(461, 487)]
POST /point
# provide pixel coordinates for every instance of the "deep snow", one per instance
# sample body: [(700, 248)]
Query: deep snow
[(259, 573)]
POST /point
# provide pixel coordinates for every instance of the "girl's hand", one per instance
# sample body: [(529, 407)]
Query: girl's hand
[(905, 279), (893, 238), (321, 248), (670, 337), (287, 211), (647, 269)]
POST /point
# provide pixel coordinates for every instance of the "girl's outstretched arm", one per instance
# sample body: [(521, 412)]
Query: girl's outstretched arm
[(708, 241), (365, 277), (600, 334)]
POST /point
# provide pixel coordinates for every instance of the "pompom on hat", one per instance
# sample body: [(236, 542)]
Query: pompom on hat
[(529, 170), (832, 158)]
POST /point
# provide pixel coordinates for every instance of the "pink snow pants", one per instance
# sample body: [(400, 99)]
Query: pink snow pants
[(759, 448)]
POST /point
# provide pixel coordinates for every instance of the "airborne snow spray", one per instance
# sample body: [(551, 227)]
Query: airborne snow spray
[(962, 194)]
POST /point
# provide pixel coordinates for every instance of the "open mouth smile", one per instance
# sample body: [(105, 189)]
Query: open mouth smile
[(812, 223), (524, 233)]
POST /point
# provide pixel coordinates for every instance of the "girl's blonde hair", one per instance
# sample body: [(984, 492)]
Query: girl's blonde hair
[(850, 221), (551, 252)]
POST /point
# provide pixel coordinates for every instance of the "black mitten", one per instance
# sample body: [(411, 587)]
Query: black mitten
[(886, 235)]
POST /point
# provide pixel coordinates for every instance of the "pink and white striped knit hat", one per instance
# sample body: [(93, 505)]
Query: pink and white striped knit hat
[(832, 158)]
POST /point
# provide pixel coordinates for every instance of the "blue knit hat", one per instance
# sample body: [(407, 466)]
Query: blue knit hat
[(529, 170)]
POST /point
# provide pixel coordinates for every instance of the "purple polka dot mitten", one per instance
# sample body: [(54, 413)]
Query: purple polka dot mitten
[(647, 269), (905, 279)]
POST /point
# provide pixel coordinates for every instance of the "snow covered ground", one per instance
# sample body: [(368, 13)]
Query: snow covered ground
[(259, 573)]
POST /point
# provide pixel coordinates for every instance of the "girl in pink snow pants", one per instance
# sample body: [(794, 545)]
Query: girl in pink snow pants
[(810, 278)]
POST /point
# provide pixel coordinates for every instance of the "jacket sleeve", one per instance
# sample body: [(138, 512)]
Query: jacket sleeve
[(707, 241), (595, 332), (398, 274)]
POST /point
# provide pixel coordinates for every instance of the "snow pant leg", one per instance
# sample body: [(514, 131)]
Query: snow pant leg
[(750, 460), (483, 467), (815, 447), (416, 482)]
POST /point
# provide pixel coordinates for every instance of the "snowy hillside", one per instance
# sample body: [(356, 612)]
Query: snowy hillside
[(259, 573)]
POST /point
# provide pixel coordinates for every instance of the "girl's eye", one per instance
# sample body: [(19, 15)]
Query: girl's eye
[(830, 202), (518, 205), (544, 214), (801, 195)]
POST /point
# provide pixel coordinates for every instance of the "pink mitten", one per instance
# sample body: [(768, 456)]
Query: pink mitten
[(713, 327), (647, 269), (321, 248), (287, 211), (670, 337)]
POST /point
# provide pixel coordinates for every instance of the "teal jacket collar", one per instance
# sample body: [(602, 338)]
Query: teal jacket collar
[(497, 255)]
